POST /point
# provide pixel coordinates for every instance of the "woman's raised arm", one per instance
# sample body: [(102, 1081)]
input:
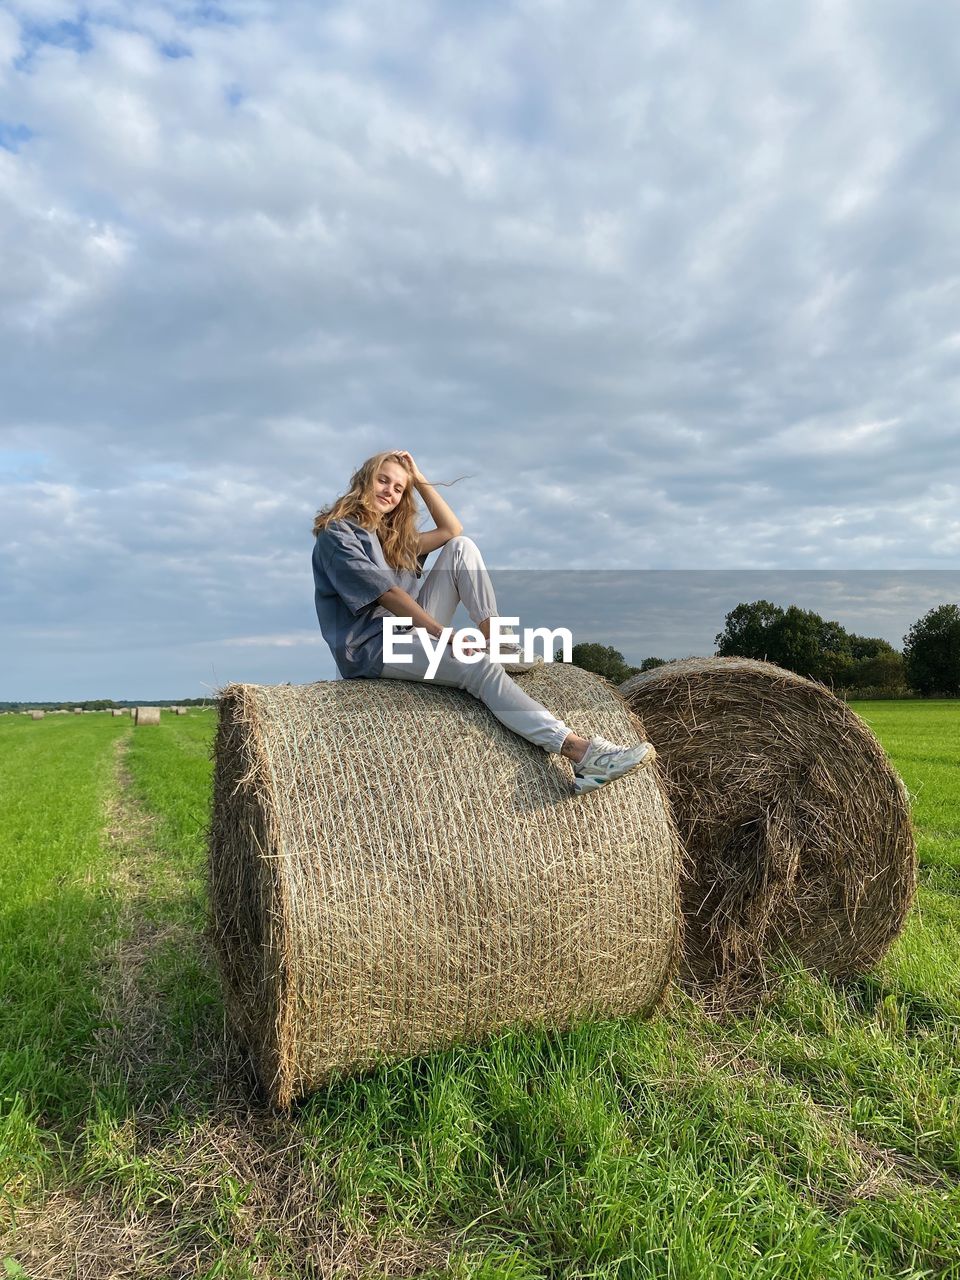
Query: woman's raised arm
[(448, 526)]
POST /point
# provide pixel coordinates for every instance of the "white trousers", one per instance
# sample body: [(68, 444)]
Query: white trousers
[(459, 574)]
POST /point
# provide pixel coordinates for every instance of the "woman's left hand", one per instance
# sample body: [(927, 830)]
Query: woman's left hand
[(418, 477)]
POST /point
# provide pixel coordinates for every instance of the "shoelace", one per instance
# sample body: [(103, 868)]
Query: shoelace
[(611, 752)]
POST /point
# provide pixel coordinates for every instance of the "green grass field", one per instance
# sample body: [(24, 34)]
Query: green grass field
[(819, 1138)]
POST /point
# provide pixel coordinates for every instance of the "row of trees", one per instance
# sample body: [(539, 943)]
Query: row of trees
[(606, 661), (803, 641)]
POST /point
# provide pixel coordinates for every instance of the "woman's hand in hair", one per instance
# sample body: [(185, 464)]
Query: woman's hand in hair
[(418, 476)]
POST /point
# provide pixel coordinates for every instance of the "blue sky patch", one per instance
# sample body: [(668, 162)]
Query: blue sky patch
[(13, 136), (64, 35), (212, 15), (22, 464), (175, 49)]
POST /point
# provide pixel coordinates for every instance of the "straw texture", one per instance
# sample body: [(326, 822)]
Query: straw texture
[(392, 871), (146, 715), (37, 715), (796, 826)]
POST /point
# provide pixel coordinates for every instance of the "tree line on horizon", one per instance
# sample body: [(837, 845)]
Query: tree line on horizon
[(797, 639), (800, 640), (107, 704)]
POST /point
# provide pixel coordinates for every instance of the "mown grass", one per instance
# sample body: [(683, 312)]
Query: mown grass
[(923, 740), (55, 778), (817, 1137)]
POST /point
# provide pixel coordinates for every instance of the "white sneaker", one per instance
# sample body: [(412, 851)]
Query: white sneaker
[(518, 664), (604, 761), (510, 643)]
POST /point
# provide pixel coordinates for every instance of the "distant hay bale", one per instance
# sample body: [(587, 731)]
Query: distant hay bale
[(796, 825), (115, 711), (146, 715), (392, 871), (181, 711), (78, 711), (37, 715)]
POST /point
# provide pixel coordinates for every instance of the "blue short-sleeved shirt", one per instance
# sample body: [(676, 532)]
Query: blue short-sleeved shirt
[(349, 574)]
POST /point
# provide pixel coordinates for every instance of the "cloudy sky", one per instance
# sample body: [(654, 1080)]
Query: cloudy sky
[(662, 287)]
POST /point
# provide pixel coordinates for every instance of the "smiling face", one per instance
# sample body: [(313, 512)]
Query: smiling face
[(389, 483)]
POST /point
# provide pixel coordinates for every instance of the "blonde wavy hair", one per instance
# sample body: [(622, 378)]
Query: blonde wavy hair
[(398, 532)]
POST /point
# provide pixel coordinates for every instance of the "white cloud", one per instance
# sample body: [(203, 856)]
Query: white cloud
[(287, 640), (670, 290)]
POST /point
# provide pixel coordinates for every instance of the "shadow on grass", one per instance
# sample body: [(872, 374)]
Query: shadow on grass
[(870, 996)]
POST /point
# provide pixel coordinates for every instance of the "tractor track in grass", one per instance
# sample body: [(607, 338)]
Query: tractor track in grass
[(187, 1176)]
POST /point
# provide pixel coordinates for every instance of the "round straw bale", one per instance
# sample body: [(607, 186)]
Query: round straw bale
[(146, 715), (796, 826), (181, 711), (37, 715), (115, 711), (393, 871)]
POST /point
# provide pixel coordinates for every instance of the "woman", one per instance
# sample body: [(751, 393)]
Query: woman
[(367, 563)]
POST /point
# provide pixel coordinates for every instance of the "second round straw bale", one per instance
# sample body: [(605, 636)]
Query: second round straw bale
[(393, 871), (796, 825)]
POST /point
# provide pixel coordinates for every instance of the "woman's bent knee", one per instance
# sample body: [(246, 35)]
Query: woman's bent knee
[(460, 544)]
